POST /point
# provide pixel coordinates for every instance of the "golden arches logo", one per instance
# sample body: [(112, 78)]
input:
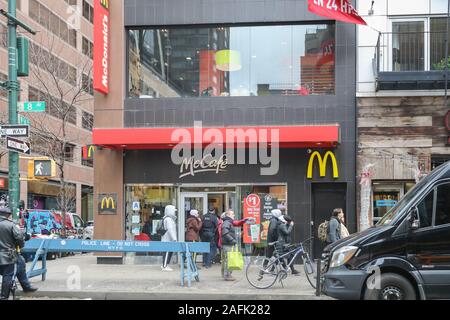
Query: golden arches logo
[(91, 150), (105, 3), (323, 164), (109, 201)]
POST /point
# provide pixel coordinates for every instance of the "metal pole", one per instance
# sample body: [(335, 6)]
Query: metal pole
[(318, 279), (446, 57), (14, 183)]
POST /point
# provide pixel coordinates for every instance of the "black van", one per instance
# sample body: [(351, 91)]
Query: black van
[(405, 256)]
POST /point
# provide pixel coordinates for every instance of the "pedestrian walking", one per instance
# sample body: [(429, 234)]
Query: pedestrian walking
[(169, 222), (334, 226), (208, 233), (11, 238), (193, 226), (344, 230), (272, 232), (229, 239), (285, 228)]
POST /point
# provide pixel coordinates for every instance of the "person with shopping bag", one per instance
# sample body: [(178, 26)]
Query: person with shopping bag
[(229, 243)]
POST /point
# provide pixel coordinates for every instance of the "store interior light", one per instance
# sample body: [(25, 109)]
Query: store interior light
[(228, 60)]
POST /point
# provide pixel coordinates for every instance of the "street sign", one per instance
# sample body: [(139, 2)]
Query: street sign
[(32, 106), (24, 120), (18, 131), (18, 145)]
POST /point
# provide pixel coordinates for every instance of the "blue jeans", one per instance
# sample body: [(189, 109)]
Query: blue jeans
[(208, 257), (7, 272), (22, 274)]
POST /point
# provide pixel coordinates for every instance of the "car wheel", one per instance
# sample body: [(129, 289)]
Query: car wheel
[(393, 287)]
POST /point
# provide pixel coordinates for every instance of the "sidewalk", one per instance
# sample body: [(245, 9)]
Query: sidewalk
[(139, 282)]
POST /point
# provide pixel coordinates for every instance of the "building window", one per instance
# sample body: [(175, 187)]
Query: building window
[(71, 2), (87, 162), (55, 107), (88, 121), (415, 44), (88, 48), (232, 61), (51, 22), (87, 84), (88, 11), (69, 152), (437, 160)]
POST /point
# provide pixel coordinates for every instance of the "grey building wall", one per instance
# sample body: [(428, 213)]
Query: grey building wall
[(267, 110)]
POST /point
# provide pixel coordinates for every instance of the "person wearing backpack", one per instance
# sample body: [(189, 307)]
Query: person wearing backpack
[(208, 234), (170, 234), (285, 228), (334, 226), (272, 233)]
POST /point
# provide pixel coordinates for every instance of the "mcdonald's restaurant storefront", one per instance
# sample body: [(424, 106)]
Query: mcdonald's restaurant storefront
[(306, 178)]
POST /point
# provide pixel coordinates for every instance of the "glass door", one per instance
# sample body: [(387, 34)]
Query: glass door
[(409, 45), (189, 201)]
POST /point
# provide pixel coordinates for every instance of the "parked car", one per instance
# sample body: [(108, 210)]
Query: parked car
[(88, 233), (405, 256)]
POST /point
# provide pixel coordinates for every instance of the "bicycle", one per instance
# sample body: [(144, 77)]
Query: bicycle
[(263, 272)]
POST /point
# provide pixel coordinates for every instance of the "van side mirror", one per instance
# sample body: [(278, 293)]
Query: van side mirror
[(414, 221)]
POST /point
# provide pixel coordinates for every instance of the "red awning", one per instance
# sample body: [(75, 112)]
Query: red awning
[(319, 136)]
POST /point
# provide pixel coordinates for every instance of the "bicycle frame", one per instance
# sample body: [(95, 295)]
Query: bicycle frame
[(297, 251)]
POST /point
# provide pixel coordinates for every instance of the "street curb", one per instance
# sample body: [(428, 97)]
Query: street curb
[(121, 295)]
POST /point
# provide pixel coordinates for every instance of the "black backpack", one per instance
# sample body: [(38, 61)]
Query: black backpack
[(209, 224), (161, 229)]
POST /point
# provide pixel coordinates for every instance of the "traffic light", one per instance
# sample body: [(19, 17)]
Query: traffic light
[(41, 168)]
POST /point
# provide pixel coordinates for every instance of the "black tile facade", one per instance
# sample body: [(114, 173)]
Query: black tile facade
[(249, 111)]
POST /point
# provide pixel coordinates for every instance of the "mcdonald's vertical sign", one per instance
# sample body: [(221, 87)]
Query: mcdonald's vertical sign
[(101, 45), (88, 152)]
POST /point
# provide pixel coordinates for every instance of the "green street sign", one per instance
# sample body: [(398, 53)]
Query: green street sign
[(24, 120), (32, 106)]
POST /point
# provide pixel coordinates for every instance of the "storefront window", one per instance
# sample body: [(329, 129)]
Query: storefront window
[(232, 61), (254, 238), (145, 208)]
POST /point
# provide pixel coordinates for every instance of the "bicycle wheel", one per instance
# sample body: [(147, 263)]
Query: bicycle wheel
[(262, 272), (310, 268)]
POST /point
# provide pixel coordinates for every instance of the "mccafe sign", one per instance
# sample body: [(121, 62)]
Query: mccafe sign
[(191, 166), (447, 126), (101, 45)]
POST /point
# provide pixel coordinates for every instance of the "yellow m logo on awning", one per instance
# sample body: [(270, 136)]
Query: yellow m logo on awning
[(322, 164)]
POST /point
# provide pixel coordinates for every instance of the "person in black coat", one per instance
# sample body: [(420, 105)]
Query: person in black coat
[(272, 232), (285, 229)]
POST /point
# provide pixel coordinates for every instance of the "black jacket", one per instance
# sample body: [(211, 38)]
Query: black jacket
[(10, 238), (209, 227), (284, 233), (272, 233), (228, 232)]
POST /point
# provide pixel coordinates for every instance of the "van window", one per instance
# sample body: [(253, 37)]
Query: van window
[(443, 205), (77, 221), (426, 210)]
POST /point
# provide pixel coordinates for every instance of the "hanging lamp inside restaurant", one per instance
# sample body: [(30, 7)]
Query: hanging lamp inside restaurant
[(228, 60)]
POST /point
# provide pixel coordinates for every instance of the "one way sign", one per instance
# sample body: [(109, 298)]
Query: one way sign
[(18, 131), (18, 145)]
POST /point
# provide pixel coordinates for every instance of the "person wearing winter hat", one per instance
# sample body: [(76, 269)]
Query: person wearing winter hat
[(193, 226), (169, 221)]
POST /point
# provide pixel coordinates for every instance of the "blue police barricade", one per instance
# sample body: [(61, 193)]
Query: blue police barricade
[(184, 249)]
